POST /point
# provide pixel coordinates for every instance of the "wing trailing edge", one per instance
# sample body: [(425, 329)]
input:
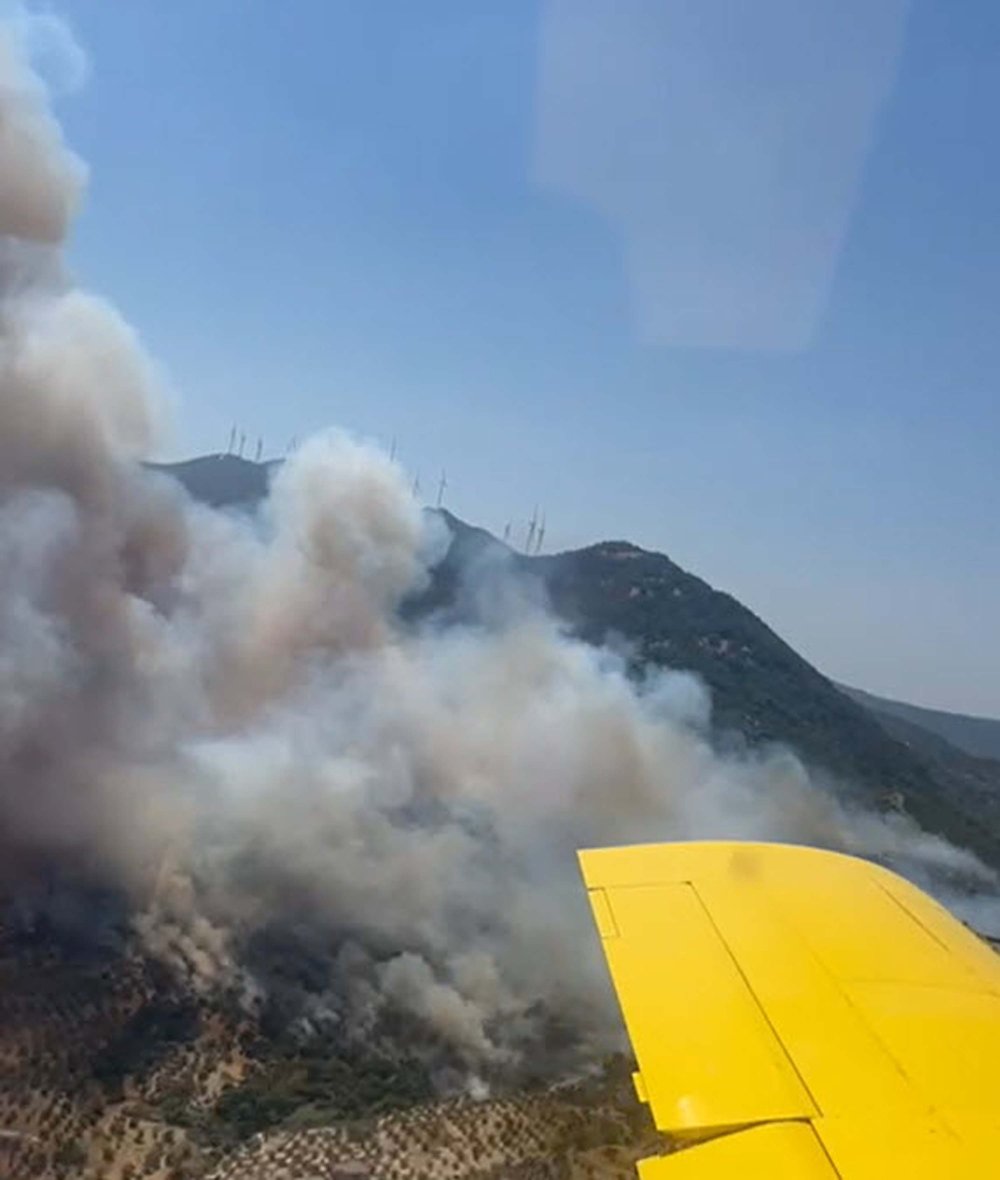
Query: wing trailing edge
[(800, 1013)]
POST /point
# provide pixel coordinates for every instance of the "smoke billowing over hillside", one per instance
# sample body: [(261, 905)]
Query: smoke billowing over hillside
[(227, 719)]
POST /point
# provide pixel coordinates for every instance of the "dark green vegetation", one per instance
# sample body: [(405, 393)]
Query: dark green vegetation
[(763, 692), (305, 1085), (109, 1068), (312, 1086), (143, 1040), (112, 1070)]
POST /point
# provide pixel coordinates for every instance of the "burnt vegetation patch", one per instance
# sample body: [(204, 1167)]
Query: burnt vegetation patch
[(156, 1029)]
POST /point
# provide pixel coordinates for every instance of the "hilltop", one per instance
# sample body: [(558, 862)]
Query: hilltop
[(220, 481), (114, 1068), (874, 752)]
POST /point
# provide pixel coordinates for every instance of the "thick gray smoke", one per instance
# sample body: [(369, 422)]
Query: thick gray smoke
[(227, 718)]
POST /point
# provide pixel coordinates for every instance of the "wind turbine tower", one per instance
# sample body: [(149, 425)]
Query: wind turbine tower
[(541, 535), (532, 527)]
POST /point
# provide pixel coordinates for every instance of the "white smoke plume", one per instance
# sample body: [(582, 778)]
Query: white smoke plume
[(228, 718), (41, 179)]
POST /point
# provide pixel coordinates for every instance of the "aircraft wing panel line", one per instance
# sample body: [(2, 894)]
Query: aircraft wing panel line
[(982, 961), (700, 1017), (754, 995), (797, 1013), (785, 1149), (827, 1038)]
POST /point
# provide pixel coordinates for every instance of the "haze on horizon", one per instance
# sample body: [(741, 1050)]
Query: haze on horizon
[(725, 288)]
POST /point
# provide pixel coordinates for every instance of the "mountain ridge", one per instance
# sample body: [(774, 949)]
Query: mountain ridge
[(763, 692), (113, 1067), (976, 735)]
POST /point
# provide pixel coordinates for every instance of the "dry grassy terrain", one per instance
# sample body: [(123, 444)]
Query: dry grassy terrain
[(107, 1071)]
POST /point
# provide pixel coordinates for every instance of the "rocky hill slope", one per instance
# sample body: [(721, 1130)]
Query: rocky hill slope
[(111, 1068), (762, 690)]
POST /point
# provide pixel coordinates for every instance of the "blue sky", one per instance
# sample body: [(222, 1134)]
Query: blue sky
[(724, 288)]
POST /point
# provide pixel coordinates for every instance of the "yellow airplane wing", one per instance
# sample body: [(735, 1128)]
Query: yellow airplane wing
[(800, 1014)]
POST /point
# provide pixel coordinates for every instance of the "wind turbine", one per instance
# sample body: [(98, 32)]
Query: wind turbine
[(232, 440), (532, 526), (541, 535), (260, 447), (442, 484)]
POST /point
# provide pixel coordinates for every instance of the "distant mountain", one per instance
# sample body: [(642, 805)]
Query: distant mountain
[(762, 690), (979, 736)]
